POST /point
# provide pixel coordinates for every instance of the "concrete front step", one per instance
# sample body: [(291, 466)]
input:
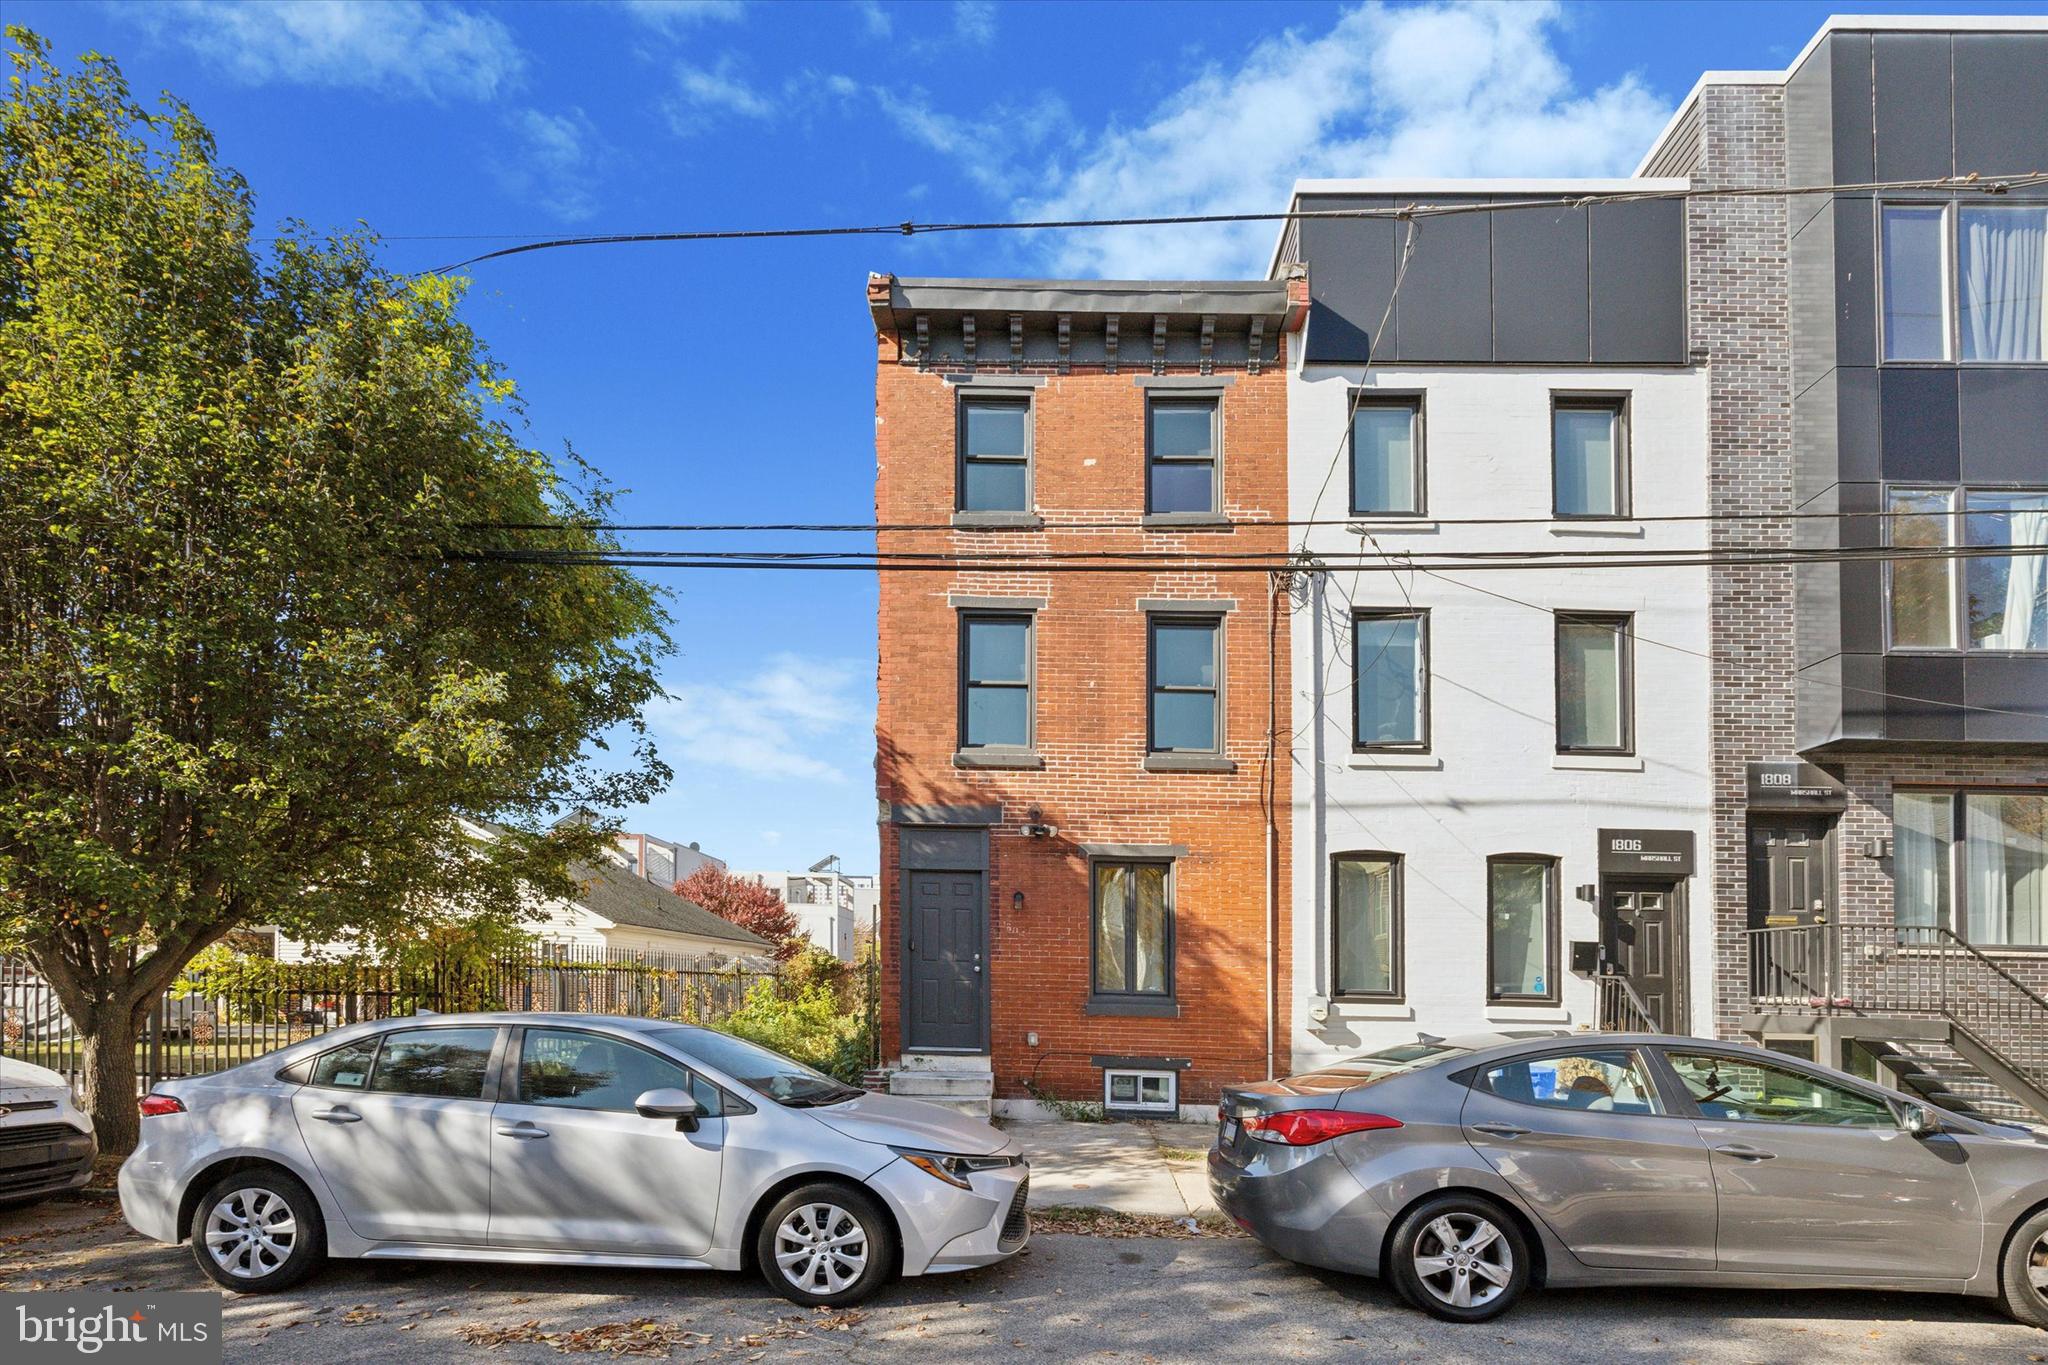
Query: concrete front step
[(952, 1085), (972, 1063)]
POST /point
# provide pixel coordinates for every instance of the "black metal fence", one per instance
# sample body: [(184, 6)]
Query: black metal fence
[(232, 1014)]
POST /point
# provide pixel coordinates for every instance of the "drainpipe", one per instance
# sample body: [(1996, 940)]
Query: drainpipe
[(1272, 817)]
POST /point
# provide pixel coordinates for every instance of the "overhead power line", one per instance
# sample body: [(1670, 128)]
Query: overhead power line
[(1975, 182)]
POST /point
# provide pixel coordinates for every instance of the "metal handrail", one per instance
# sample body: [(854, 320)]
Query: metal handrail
[(1955, 940), (1628, 1014)]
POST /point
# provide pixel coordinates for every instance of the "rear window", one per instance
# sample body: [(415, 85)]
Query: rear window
[(1388, 1062)]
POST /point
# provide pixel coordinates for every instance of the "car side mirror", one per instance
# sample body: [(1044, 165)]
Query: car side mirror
[(668, 1103), (1921, 1121)]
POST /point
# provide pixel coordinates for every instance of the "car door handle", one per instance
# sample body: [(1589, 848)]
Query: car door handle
[(1500, 1130), (523, 1130), (340, 1113), (1742, 1153)]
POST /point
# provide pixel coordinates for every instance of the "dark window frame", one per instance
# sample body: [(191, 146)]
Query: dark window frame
[(1420, 615), (493, 1064), (1213, 620), (1553, 916), (1129, 999), (1958, 569), (1654, 1081), (969, 399), (513, 1079), (1415, 402), (1955, 916), (1398, 931), (1214, 403), (1625, 661), (1029, 685), (1620, 405)]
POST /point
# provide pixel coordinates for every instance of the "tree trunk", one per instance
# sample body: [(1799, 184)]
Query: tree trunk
[(108, 1082)]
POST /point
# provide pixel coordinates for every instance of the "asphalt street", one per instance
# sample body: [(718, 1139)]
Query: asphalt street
[(1069, 1297)]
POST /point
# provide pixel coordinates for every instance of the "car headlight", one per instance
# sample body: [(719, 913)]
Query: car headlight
[(951, 1168)]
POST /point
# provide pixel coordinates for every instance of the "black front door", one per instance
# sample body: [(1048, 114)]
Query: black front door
[(1642, 934), (946, 982), (1789, 882)]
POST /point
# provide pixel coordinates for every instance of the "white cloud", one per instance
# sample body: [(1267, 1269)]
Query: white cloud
[(879, 24), (672, 16), (704, 95), (774, 724), (1436, 90), (401, 47), (1000, 164), (558, 162), (974, 22)]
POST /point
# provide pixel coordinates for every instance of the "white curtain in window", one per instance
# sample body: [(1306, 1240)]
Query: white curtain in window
[(2006, 851), (2004, 266), (2025, 622), (1922, 830)]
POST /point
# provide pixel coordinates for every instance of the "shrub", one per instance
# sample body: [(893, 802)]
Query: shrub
[(803, 1022)]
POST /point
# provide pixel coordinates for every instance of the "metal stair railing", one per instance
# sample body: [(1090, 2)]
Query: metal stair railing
[(1619, 1007), (1910, 970)]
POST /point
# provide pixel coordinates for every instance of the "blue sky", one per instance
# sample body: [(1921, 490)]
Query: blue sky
[(726, 382)]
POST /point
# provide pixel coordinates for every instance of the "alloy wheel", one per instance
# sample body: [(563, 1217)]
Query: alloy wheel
[(821, 1248), (1463, 1260), (2037, 1268), (251, 1232)]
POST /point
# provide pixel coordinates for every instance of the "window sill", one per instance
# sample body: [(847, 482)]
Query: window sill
[(998, 521), (1375, 1010), (1394, 525), (1185, 521), (1599, 763), (998, 758), (1188, 763), (1134, 1009), (1392, 758), (1535, 1012), (1618, 527)]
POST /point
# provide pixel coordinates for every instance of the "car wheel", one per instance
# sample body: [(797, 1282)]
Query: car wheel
[(2024, 1283), (826, 1245), (1460, 1258), (258, 1231)]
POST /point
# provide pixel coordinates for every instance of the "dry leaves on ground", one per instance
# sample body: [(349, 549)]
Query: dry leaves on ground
[(647, 1337), (1086, 1222)]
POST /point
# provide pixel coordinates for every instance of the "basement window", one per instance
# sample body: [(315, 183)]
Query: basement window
[(1141, 1092)]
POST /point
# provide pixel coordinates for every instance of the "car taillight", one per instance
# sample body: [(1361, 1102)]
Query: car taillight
[(154, 1105), (1306, 1127)]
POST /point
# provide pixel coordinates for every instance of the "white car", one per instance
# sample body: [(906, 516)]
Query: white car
[(566, 1139), (46, 1141)]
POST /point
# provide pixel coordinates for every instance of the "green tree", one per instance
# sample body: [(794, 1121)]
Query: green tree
[(250, 668)]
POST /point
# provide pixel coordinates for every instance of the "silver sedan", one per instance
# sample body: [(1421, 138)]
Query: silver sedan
[(1465, 1170), (573, 1140)]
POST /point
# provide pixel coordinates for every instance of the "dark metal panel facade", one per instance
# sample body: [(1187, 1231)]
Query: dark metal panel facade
[(1915, 111), (1637, 265), (1351, 264), (1444, 311), (1918, 412), (1539, 287), (2001, 102), (2003, 428)]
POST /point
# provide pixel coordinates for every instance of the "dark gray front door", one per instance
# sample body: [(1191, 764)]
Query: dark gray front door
[(1789, 881), (946, 987), (1642, 933)]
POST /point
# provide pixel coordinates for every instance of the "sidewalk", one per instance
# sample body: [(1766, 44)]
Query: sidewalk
[(1147, 1168)]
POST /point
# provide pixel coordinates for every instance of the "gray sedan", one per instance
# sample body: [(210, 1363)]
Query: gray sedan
[(1465, 1170), (571, 1140)]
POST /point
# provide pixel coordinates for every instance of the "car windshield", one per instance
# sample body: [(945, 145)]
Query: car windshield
[(770, 1073)]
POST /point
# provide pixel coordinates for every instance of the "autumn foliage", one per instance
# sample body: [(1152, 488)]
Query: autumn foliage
[(750, 905)]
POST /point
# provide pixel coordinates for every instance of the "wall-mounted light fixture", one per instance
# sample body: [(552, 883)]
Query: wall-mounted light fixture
[(1589, 893), (1877, 848), (1016, 900)]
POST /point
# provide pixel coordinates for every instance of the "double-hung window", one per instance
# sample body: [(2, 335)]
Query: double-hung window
[(1390, 680), (1186, 710), (1990, 602), (1965, 281), (1386, 456), (995, 680), (1595, 702), (1133, 930), (1365, 926), (1974, 863), (1521, 928), (1589, 457), (1181, 441), (995, 453)]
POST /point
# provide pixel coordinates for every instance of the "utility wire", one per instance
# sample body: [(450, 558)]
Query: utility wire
[(1972, 183)]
